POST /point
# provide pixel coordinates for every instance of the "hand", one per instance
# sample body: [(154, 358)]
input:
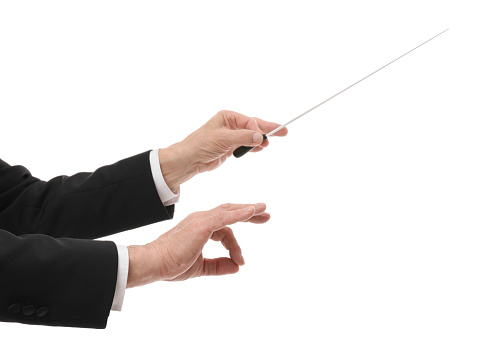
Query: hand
[(177, 254), (209, 146)]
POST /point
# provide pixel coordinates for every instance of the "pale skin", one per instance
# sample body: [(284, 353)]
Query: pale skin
[(177, 254)]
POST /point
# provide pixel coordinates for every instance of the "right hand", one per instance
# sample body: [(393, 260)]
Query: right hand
[(209, 146), (177, 254)]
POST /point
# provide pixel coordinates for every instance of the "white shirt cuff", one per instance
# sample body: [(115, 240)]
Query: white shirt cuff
[(122, 271), (165, 194), (167, 197)]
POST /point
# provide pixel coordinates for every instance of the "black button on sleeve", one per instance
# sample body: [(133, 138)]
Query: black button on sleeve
[(42, 311), (14, 308), (28, 310)]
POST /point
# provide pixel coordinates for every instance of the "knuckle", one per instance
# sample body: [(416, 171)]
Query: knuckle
[(221, 137), (252, 120), (226, 205), (218, 217), (216, 221), (208, 268), (202, 228), (223, 113)]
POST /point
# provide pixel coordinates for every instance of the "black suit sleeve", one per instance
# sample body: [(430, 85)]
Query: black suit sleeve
[(56, 282), (88, 205), (46, 276)]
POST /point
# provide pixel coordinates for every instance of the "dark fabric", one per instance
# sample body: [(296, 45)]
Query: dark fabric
[(51, 272)]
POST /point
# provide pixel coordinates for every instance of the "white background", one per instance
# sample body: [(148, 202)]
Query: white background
[(374, 247)]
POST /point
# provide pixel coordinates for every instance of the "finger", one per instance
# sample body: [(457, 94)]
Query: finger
[(226, 218), (267, 127), (237, 120), (243, 137), (260, 147), (262, 218), (259, 208), (226, 237), (252, 124), (234, 120), (238, 125), (219, 266), (264, 144)]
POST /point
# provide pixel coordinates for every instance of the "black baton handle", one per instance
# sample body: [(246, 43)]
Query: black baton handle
[(241, 151)]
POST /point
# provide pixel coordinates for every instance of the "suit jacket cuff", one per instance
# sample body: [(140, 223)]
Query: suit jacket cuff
[(56, 281)]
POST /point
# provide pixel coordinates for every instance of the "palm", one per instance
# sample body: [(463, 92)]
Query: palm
[(194, 264), (181, 247), (196, 270)]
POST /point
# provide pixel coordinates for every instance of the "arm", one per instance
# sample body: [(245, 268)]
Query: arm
[(112, 199), (121, 196), (71, 282), (57, 282), (177, 254)]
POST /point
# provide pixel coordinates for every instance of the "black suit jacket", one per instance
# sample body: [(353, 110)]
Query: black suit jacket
[(51, 271)]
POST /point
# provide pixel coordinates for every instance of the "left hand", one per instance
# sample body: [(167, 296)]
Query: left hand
[(208, 147), (177, 254)]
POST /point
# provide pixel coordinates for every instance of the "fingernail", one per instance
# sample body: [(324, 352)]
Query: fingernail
[(257, 137)]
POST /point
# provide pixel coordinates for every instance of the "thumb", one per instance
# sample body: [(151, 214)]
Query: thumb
[(219, 266), (244, 138)]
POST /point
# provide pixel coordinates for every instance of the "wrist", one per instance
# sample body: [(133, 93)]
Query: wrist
[(176, 166), (142, 269)]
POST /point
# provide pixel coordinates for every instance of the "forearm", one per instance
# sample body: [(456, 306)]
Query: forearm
[(56, 281), (111, 199)]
